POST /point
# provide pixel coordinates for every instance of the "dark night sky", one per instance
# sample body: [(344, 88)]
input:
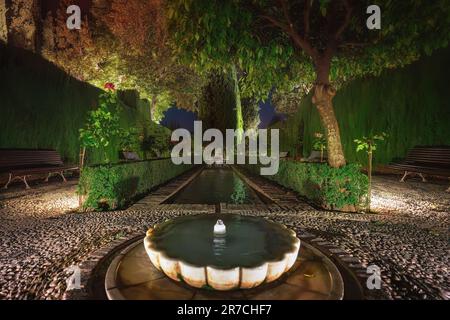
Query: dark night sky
[(185, 119)]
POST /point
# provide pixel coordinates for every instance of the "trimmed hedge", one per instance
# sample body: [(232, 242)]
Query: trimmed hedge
[(113, 186), (43, 108), (411, 104), (339, 189)]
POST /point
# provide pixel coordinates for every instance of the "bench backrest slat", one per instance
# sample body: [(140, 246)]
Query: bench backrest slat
[(433, 155), (12, 158)]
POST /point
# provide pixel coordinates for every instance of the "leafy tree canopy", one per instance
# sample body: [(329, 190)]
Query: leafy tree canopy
[(282, 42), (125, 42)]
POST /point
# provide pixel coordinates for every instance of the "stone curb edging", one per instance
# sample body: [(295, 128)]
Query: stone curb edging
[(342, 257), (182, 186), (254, 186), (88, 266), (336, 254)]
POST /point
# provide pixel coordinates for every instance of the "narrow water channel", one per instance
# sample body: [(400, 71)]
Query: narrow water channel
[(216, 185)]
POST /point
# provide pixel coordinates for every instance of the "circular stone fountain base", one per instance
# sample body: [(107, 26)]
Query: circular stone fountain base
[(131, 276)]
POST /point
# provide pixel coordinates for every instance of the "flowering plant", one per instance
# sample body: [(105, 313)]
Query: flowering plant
[(110, 86)]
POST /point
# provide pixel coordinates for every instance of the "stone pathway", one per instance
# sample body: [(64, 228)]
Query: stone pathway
[(40, 202), (412, 197), (165, 192), (410, 244)]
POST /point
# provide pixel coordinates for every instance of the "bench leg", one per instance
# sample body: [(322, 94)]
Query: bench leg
[(423, 178), (404, 176), (9, 181), (24, 179), (407, 173), (61, 173), (48, 177)]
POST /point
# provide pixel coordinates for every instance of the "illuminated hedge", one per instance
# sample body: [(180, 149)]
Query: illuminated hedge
[(339, 189), (113, 186)]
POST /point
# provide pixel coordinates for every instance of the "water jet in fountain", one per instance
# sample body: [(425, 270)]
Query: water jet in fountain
[(220, 228)]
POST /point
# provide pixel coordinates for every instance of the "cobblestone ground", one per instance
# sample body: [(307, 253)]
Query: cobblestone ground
[(411, 246)]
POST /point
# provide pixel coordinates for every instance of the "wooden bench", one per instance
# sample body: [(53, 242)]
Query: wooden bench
[(425, 160), (22, 163)]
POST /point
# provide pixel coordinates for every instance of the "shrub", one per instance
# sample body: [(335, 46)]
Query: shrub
[(331, 188), (156, 142), (112, 186), (103, 123), (129, 140)]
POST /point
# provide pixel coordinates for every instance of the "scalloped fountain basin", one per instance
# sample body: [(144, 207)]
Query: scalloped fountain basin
[(252, 251)]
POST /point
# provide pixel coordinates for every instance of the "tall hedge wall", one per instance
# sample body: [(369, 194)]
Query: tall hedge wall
[(112, 186), (412, 105), (42, 107)]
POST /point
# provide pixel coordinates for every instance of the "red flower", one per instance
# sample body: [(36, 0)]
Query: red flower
[(110, 86)]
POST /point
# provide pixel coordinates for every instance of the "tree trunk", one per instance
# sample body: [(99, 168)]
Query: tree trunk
[(82, 157), (237, 92), (369, 171), (82, 160), (322, 98), (153, 107)]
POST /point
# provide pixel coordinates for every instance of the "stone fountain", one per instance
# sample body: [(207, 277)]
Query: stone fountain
[(222, 252)]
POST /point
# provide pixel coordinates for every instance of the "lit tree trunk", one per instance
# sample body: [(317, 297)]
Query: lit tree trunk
[(237, 92), (369, 172), (153, 103), (82, 160), (3, 26), (82, 157), (322, 99)]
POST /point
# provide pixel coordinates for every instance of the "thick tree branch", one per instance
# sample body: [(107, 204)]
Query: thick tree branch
[(335, 38), (306, 12), (276, 23), (296, 38), (346, 22), (286, 13)]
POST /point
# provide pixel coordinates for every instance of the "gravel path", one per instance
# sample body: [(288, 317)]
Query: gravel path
[(38, 244), (43, 201)]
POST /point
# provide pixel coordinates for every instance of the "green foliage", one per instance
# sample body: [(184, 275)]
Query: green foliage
[(333, 188), (320, 142), (412, 105), (239, 193), (103, 123), (163, 101), (212, 34), (129, 140), (216, 33), (44, 108), (156, 142), (369, 144), (217, 102), (113, 186)]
